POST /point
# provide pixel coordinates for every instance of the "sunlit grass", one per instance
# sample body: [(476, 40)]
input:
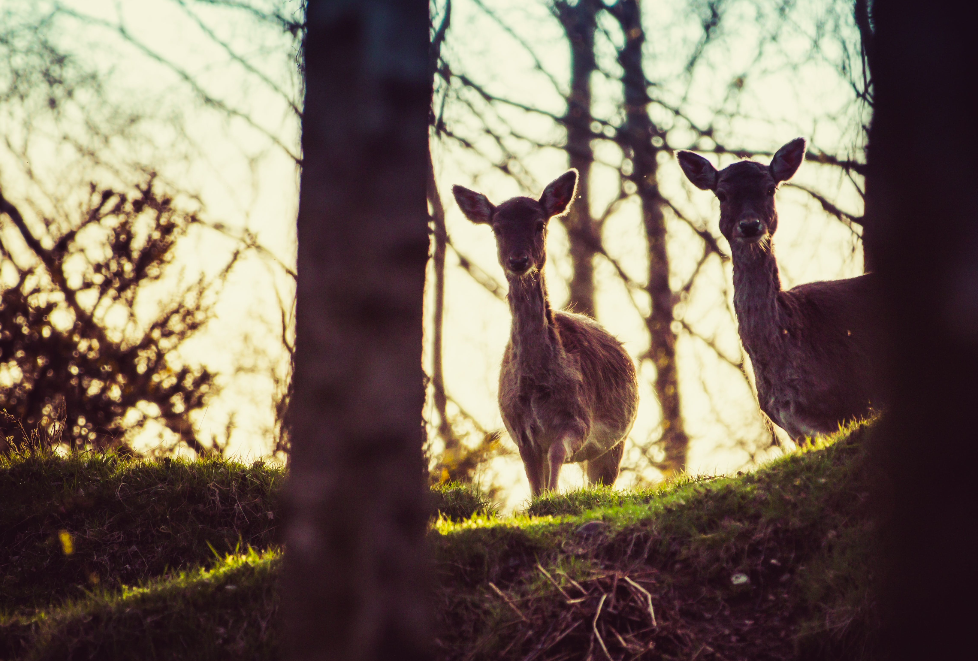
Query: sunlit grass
[(222, 611), (784, 547)]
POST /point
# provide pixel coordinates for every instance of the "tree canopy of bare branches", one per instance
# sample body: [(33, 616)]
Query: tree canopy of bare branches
[(613, 89)]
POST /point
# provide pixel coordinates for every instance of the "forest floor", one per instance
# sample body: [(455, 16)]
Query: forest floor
[(103, 557)]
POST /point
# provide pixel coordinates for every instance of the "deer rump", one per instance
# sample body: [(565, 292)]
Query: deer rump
[(590, 400), (816, 373)]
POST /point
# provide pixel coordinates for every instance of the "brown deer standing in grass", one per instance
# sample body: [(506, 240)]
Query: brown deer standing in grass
[(810, 346), (567, 388)]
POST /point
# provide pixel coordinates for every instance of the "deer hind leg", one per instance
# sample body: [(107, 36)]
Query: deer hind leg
[(604, 469)]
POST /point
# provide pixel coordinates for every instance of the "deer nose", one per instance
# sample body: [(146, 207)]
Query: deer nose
[(519, 263), (750, 228)]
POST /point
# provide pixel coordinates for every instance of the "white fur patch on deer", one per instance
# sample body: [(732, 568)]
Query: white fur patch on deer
[(567, 388)]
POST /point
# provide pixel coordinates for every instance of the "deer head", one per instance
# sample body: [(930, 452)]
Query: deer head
[(745, 190), (520, 224)]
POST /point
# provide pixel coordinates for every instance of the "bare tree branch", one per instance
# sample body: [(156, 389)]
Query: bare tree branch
[(845, 218), (240, 60), (487, 281), (508, 30), (187, 78)]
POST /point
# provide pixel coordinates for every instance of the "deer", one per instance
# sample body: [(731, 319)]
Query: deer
[(810, 346), (568, 392)]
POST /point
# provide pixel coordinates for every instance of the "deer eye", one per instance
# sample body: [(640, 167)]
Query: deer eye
[(771, 191), (721, 196), (539, 228)]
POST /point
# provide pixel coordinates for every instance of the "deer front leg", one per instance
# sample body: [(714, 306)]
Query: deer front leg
[(555, 458), (563, 448), (533, 464)]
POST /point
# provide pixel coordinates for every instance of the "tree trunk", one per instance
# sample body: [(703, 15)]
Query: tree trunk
[(440, 241), (355, 508), (579, 22), (636, 139), (923, 232)]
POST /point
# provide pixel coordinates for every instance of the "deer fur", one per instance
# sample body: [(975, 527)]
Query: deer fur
[(567, 389), (810, 346)]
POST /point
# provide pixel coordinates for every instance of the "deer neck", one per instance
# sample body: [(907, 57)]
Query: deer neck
[(757, 285), (533, 336)]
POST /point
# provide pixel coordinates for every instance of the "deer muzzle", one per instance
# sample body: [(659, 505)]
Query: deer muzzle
[(518, 264), (751, 229)]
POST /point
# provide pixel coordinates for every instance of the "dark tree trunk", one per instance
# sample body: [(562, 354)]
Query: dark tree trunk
[(923, 232), (355, 559), (636, 139), (580, 21)]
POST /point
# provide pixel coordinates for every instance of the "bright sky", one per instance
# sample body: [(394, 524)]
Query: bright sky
[(243, 178), (789, 93), (246, 180)]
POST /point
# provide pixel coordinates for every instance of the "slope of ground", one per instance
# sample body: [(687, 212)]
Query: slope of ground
[(768, 565)]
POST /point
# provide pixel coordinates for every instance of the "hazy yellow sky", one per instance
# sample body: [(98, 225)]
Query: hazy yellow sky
[(803, 100), (246, 180)]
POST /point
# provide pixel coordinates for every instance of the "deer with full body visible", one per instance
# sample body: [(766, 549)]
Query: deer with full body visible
[(567, 389), (810, 346)]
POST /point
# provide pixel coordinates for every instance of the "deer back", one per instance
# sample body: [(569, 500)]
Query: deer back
[(815, 371)]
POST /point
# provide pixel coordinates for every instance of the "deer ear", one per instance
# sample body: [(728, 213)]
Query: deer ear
[(698, 170), (788, 159), (558, 194), (475, 206)]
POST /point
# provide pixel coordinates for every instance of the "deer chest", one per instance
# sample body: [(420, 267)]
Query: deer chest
[(534, 409)]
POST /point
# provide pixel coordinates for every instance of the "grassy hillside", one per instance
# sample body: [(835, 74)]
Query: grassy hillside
[(107, 558)]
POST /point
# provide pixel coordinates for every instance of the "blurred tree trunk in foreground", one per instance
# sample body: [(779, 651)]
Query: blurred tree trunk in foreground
[(923, 233), (355, 500)]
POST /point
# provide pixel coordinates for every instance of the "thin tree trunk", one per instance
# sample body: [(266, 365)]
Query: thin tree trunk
[(437, 368), (861, 11), (635, 138), (922, 202), (355, 559), (580, 21)]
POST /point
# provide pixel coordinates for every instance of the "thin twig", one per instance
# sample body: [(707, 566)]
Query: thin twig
[(551, 579), (573, 582), (477, 274), (187, 78), (465, 414), (647, 596), (845, 217), (508, 602), (708, 239), (564, 634), (594, 626), (240, 60), (508, 30), (712, 345)]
